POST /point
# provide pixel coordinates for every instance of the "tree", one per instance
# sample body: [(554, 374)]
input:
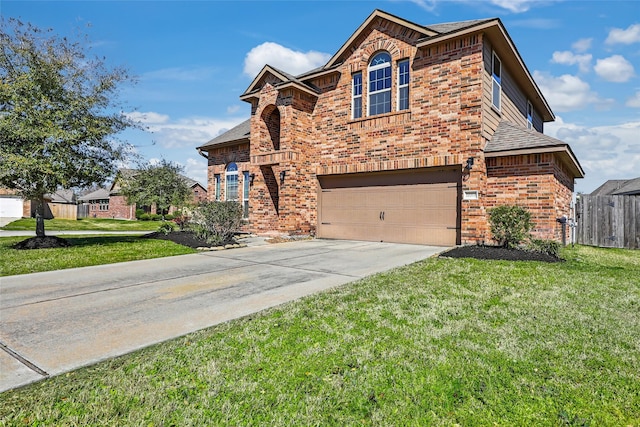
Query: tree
[(57, 114), (160, 184)]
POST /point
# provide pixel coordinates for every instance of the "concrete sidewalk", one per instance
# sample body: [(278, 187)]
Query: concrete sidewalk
[(58, 321)]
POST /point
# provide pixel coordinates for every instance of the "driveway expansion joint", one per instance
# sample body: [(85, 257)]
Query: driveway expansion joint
[(23, 360)]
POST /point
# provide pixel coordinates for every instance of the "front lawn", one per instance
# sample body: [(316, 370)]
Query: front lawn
[(85, 250), (83, 224), (439, 342)]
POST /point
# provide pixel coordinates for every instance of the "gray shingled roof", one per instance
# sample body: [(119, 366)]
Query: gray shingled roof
[(618, 187), (238, 133), (450, 27), (510, 137), (100, 193), (62, 196)]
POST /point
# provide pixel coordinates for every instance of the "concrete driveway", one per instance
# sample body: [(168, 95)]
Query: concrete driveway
[(58, 321)]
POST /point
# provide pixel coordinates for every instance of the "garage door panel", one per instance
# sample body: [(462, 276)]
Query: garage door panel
[(411, 207)]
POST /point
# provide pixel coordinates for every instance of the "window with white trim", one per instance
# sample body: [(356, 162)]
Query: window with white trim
[(403, 85), (380, 84), (231, 182), (356, 102), (245, 194), (529, 115), (496, 74), (217, 191)]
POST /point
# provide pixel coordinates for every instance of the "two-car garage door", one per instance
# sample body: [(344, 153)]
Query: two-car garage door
[(419, 206)]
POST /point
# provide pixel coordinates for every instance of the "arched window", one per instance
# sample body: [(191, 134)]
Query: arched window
[(231, 182), (380, 84)]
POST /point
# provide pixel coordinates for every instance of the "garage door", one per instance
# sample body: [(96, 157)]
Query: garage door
[(421, 206), (10, 207)]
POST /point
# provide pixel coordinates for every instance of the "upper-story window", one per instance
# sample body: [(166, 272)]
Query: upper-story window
[(380, 84), (403, 85), (496, 74), (356, 106), (529, 115), (231, 182)]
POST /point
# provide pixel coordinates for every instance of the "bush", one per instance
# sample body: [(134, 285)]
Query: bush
[(144, 217), (139, 213), (216, 222), (181, 220), (168, 217), (510, 225), (155, 217), (549, 247), (166, 227)]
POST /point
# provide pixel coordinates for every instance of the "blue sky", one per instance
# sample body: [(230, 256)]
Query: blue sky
[(193, 59)]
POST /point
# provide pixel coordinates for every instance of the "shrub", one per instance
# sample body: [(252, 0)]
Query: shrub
[(166, 227), (144, 217), (549, 247), (155, 217), (139, 213), (168, 217), (216, 222), (510, 225), (181, 220)]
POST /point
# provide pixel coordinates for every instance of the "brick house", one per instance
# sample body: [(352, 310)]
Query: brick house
[(409, 133), (109, 203)]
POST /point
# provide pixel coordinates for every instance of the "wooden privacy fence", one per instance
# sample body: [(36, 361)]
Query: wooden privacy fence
[(608, 221), (63, 210), (83, 210)]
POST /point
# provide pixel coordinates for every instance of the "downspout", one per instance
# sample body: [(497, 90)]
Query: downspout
[(206, 156)]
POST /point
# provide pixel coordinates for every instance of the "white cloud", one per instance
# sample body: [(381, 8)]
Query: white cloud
[(567, 92), (605, 152), (232, 109), (196, 168), (570, 58), (148, 117), (582, 45), (614, 69), (428, 5), (285, 59), (516, 6), (634, 101), (187, 132), (628, 36)]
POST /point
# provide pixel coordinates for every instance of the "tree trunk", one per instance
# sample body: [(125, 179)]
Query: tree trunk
[(40, 217)]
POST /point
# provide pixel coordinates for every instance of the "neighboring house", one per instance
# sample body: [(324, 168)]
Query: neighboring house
[(109, 203), (11, 205), (61, 205), (409, 133), (610, 215), (618, 187)]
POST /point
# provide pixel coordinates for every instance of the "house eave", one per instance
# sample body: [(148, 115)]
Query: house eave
[(564, 151), (208, 148)]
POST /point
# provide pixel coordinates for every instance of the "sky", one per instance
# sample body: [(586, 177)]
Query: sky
[(193, 59)]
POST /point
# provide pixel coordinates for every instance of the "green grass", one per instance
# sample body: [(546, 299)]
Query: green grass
[(439, 342), (85, 250), (83, 224)]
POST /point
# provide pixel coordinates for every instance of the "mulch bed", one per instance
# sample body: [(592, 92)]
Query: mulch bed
[(498, 253), (44, 242), (185, 238)]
